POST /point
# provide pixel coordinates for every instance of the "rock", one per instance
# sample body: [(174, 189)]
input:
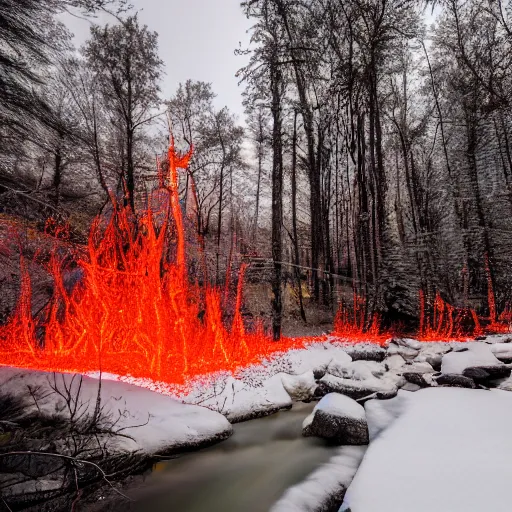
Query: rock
[(357, 370), (417, 367), (357, 389), (417, 379), (367, 353), (300, 387), (477, 354), (433, 354), (319, 372), (408, 386), (339, 419), (435, 361), (455, 380), (483, 374), (405, 342), (394, 362), (407, 353), (502, 352)]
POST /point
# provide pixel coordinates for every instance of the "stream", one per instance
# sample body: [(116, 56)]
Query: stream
[(248, 472)]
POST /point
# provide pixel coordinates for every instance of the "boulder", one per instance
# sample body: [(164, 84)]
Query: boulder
[(417, 367), (484, 374), (455, 380), (433, 354), (408, 386), (416, 378), (408, 353), (503, 352), (357, 370), (367, 353), (338, 419), (299, 387), (405, 342), (473, 354), (394, 362), (357, 389)]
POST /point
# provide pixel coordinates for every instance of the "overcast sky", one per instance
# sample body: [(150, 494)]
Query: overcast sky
[(197, 39)]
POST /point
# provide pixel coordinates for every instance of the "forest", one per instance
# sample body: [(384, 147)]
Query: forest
[(373, 168)]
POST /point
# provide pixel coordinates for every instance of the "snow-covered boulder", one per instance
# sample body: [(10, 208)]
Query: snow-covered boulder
[(405, 342), (300, 387), (503, 352), (408, 353), (357, 370), (432, 353), (339, 419), (367, 352), (416, 379), (394, 362), (240, 401), (455, 380), (486, 374), (385, 387), (417, 367), (473, 354)]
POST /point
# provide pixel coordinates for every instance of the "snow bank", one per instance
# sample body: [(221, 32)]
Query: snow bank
[(153, 422), (328, 483), (448, 450), (477, 354)]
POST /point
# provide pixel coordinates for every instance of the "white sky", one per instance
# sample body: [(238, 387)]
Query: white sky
[(197, 39)]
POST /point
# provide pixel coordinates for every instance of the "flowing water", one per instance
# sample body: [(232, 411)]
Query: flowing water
[(247, 473)]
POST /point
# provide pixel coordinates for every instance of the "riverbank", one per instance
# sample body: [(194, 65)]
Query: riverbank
[(134, 420)]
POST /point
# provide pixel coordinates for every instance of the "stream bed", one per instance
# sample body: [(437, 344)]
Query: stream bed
[(248, 472)]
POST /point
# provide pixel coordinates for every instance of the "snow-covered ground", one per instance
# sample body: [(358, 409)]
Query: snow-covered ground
[(412, 435), (444, 449), (149, 421)]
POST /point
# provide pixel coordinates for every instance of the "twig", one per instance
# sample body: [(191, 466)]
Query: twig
[(74, 461)]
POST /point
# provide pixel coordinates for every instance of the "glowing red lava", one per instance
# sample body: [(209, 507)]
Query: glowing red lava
[(135, 311)]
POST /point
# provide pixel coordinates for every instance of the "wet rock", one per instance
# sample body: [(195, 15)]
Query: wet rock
[(416, 378), (338, 419), (455, 380)]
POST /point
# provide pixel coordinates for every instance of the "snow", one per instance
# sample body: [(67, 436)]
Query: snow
[(446, 449), (299, 387), (326, 481), (477, 354), (336, 404), (356, 370), (503, 350), (154, 422), (268, 387), (387, 384), (405, 342), (340, 405)]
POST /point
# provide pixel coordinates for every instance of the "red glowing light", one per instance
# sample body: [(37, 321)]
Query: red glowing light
[(135, 312)]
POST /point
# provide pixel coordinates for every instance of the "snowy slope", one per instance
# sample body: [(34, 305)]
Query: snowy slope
[(444, 449), (154, 422)]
